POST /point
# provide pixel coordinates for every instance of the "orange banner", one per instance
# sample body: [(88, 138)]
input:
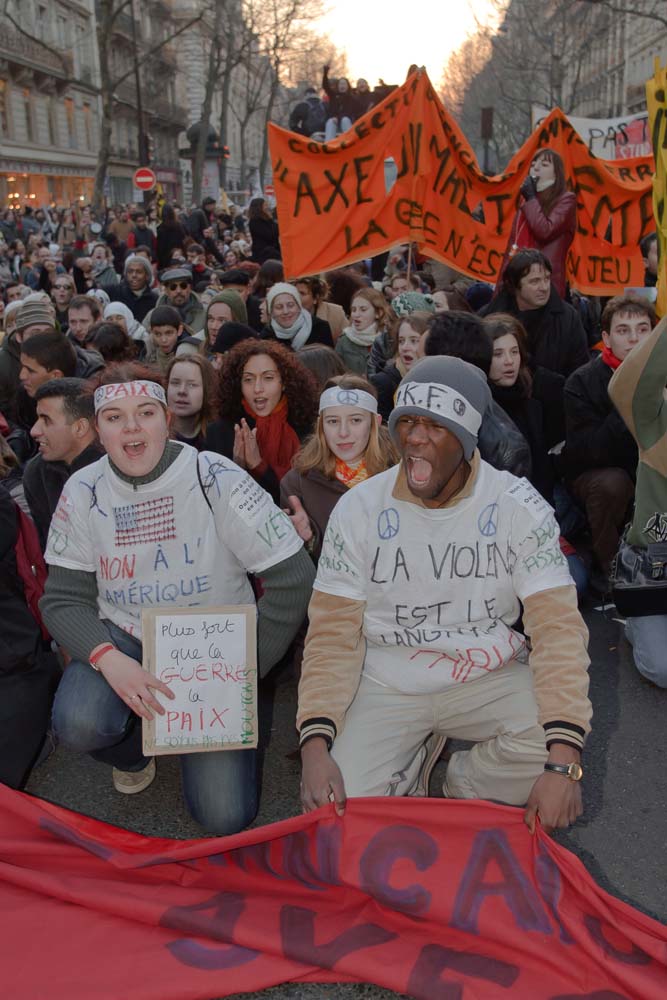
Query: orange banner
[(336, 202)]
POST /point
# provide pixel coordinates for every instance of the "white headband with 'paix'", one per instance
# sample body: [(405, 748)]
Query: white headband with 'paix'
[(106, 394), (338, 396)]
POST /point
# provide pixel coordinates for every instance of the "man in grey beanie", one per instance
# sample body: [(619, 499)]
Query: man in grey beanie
[(135, 288), (424, 571)]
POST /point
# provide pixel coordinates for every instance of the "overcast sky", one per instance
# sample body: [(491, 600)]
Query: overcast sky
[(383, 37)]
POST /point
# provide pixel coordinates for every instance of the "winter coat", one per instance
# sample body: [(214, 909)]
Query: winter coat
[(528, 415), (596, 436), (334, 315), (309, 116), (340, 105), (264, 233), (318, 495), (381, 351), (10, 366), (355, 356), (502, 444), (169, 236), (220, 438), (556, 337), (552, 234), (192, 313), (43, 483), (386, 383), (20, 640), (139, 305)]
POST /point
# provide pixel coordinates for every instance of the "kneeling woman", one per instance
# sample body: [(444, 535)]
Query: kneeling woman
[(189, 525), (348, 447), (268, 405)]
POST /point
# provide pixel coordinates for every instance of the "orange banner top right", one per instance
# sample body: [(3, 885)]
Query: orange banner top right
[(405, 172)]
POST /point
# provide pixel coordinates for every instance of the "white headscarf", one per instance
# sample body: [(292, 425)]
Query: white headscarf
[(135, 330)]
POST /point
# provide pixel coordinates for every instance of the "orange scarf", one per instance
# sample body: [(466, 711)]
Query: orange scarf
[(277, 441), (351, 477)]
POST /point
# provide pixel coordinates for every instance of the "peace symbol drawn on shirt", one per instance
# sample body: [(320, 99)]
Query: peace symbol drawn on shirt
[(347, 397), (487, 522), (388, 523)]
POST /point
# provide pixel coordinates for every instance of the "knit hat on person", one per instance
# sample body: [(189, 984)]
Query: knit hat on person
[(235, 303), (32, 313), (450, 392), (137, 258), (406, 303), (282, 288), (231, 334)]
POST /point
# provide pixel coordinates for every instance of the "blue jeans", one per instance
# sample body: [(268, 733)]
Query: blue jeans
[(648, 636), (220, 788)]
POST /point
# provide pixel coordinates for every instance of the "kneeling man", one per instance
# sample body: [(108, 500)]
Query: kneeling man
[(424, 570)]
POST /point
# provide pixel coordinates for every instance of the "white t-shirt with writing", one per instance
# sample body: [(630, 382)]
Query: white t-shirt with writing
[(441, 586), (160, 544)]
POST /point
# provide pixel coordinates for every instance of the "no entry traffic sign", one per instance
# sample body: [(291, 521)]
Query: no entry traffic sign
[(144, 179)]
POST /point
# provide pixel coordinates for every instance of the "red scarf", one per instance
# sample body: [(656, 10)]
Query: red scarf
[(277, 440), (610, 358)]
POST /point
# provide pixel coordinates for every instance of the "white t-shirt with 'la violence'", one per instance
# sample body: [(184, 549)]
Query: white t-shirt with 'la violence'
[(441, 586)]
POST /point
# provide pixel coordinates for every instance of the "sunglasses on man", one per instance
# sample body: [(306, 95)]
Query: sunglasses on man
[(173, 285)]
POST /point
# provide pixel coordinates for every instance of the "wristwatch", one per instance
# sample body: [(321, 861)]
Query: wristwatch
[(574, 771)]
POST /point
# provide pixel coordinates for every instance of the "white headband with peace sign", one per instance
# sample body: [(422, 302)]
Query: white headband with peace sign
[(338, 396)]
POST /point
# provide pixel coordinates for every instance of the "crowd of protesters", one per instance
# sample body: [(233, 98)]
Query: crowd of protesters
[(142, 357)]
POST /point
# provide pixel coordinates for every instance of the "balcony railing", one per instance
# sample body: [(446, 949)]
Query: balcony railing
[(17, 48)]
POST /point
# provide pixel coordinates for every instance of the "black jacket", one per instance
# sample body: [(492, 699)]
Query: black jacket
[(528, 415), (556, 337), (139, 305), (43, 483), (596, 437), (220, 438), (20, 637), (169, 236), (265, 237), (10, 366), (386, 382), (320, 334)]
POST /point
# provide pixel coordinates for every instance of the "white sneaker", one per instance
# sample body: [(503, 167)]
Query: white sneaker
[(131, 782)]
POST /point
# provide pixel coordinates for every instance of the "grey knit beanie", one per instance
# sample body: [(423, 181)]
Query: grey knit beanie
[(450, 391), (137, 258)]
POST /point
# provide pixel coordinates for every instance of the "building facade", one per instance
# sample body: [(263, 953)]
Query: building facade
[(609, 78), (49, 118), (141, 47), (238, 114)]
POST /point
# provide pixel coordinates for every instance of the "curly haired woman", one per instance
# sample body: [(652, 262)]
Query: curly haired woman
[(268, 404)]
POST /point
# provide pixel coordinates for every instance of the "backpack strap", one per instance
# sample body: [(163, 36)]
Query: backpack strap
[(201, 486)]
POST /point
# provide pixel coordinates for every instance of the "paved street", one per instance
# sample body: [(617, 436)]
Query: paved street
[(621, 839)]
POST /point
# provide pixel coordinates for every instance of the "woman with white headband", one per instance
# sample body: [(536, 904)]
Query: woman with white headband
[(154, 525), (349, 445)]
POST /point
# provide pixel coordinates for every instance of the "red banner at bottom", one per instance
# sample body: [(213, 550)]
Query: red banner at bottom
[(442, 900)]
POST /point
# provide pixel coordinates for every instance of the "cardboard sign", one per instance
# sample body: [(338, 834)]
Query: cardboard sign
[(209, 660), (337, 205)]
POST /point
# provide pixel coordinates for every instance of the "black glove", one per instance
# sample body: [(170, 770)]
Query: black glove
[(529, 188)]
